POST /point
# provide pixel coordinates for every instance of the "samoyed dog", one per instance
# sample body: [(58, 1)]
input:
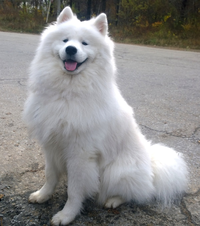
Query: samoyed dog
[(85, 127)]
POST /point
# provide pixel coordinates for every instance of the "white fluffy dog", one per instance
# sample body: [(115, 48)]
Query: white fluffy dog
[(76, 112)]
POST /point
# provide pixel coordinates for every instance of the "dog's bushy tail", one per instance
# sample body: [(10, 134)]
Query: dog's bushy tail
[(170, 174)]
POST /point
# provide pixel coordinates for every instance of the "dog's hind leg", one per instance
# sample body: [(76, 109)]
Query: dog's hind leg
[(125, 179), (114, 202)]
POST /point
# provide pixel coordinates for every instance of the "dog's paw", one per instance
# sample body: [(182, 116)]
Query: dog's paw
[(114, 202), (38, 197), (61, 218)]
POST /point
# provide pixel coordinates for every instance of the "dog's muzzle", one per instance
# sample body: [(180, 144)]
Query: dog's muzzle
[(70, 64)]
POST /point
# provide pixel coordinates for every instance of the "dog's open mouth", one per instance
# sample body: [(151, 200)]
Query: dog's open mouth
[(71, 65)]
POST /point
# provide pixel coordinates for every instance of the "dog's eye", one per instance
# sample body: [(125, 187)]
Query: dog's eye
[(65, 40), (84, 43)]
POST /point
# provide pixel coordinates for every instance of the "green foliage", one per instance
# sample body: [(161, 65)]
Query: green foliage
[(18, 16), (159, 22)]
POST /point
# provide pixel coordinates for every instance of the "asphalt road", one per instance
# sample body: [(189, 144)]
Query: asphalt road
[(162, 85)]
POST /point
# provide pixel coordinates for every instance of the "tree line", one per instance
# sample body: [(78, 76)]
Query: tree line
[(126, 17)]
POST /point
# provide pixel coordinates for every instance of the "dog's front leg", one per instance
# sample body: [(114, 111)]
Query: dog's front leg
[(69, 212), (52, 175), (83, 182)]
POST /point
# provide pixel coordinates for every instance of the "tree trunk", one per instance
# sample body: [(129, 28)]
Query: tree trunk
[(183, 13), (70, 3), (58, 7), (89, 4), (103, 6), (117, 12)]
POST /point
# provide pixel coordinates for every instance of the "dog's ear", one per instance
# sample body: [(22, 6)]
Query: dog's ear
[(101, 23), (65, 15)]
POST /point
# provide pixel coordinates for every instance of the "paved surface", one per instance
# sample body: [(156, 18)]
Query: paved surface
[(162, 85)]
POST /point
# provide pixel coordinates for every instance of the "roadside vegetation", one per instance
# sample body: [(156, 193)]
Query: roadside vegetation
[(172, 23)]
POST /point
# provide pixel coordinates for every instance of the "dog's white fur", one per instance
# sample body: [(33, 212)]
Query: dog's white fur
[(87, 129)]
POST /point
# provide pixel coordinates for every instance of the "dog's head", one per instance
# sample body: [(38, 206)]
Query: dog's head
[(76, 44)]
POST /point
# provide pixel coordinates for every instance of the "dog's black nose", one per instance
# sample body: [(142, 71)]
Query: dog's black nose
[(71, 50)]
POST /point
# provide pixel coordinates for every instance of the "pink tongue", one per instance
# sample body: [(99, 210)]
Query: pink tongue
[(70, 65)]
